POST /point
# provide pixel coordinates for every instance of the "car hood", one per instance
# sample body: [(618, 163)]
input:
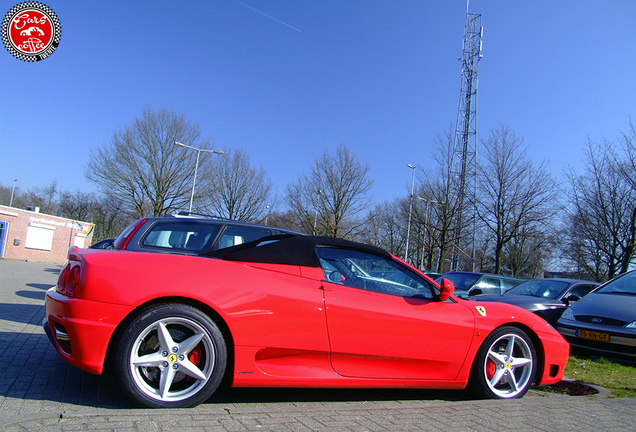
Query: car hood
[(518, 300), (616, 306)]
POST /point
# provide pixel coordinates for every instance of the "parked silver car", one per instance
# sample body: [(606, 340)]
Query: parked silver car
[(470, 283)]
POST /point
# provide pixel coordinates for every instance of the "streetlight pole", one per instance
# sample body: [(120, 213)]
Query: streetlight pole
[(408, 229), (196, 167), (12, 190), (319, 192)]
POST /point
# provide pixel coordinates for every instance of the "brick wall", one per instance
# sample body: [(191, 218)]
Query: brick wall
[(30, 234)]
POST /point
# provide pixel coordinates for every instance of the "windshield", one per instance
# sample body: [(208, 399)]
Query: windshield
[(462, 281), (625, 284), (544, 288)]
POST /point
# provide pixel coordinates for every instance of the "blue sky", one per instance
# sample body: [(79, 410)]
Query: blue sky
[(287, 80)]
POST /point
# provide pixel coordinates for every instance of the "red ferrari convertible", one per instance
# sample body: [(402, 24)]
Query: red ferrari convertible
[(288, 311)]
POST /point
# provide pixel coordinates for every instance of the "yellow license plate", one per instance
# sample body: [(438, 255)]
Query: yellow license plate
[(603, 337)]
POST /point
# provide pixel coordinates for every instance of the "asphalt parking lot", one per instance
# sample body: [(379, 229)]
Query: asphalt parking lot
[(41, 392)]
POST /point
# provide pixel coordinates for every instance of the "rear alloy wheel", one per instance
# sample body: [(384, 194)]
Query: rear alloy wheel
[(505, 365), (171, 355)]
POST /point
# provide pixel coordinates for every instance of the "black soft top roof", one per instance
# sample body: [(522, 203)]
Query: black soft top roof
[(289, 249)]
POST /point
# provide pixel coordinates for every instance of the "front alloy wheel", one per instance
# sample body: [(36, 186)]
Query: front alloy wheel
[(171, 356), (505, 365)]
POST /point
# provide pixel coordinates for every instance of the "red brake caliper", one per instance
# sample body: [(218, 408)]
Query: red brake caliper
[(491, 368), (195, 358)]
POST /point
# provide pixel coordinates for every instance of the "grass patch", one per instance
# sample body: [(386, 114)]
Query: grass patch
[(618, 378)]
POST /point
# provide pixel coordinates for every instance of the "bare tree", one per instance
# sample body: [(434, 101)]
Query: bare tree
[(603, 210), (5, 196), (333, 196), (385, 226), (106, 212), (76, 205), (42, 197), (438, 188), (514, 196), (431, 226), (527, 253), (628, 173), (283, 219), (583, 250), (143, 168), (110, 217), (236, 190), (304, 206)]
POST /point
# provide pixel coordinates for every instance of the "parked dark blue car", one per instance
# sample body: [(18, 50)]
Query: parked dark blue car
[(604, 321)]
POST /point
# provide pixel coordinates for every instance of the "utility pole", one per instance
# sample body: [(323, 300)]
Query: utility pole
[(12, 191), (408, 229)]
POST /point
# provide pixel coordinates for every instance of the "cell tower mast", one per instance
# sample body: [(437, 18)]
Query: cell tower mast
[(465, 145)]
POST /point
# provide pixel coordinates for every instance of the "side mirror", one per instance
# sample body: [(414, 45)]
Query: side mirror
[(447, 289), (571, 298), (475, 291), (335, 276)]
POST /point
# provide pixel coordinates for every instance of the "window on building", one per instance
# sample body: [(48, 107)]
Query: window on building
[(39, 237)]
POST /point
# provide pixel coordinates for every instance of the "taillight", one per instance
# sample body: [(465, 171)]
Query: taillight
[(74, 278), (70, 278), (63, 277)]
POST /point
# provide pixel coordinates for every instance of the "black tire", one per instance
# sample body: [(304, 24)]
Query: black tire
[(171, 356), (505, 365)]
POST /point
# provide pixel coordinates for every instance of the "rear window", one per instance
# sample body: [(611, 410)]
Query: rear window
[(236, 235), (187, 237)]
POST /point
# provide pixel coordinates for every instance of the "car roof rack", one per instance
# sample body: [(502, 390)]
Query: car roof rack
[(183, 213)]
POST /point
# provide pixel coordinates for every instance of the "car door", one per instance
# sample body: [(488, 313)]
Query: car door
[(383, 320)]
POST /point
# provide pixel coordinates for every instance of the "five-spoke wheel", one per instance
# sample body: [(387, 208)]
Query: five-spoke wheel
[(505, 365), (171, 355)]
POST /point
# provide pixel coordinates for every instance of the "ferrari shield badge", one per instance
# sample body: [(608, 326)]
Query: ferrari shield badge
[(481, 310)]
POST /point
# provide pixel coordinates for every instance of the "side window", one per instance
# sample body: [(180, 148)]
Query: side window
[(236, 235), (372, 273), (489, 285), (183, 237), (581, 290), (488, 282)]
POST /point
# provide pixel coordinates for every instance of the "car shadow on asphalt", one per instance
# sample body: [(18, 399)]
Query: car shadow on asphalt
[(272, 395), (44, 375), (33, 370), (22, 313), (41, 286), (35, 295), (53, 269)]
